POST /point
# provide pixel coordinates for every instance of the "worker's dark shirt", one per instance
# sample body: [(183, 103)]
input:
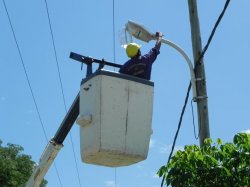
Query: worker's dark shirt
[(140, 66)]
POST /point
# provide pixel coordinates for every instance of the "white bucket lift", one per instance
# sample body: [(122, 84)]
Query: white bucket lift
[(115, 119)]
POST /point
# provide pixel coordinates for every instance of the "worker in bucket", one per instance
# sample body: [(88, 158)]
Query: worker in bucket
[(141, 65)]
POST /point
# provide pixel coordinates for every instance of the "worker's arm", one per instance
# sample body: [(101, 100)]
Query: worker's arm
[(150, 57), (158, 40)]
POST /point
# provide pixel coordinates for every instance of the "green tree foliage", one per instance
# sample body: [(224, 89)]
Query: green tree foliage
[(219, 165), (15, 167)]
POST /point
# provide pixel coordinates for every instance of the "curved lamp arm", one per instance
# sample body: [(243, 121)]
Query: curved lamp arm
[(190, 65)]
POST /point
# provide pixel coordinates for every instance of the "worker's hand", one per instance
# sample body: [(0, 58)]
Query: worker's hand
[(158, 35)]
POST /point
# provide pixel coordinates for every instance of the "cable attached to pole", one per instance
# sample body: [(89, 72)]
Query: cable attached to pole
[(195, 136)]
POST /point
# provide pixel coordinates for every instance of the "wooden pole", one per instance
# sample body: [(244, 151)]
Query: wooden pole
[(199, 69)]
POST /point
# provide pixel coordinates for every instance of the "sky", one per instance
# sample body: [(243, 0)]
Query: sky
[(86, 27)]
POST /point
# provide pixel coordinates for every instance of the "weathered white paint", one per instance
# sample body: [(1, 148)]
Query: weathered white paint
[(118, 133)]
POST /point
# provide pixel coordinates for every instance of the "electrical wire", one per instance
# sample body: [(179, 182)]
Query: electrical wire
[(28, 81), (196, 136), (114, 51), (74, 153), (189, 87), (25, 71), (115, 176), (213, 31), (178, 128), (63, 96), (55, 53)]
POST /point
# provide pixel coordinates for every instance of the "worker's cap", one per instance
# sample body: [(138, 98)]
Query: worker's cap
[(132, 49)]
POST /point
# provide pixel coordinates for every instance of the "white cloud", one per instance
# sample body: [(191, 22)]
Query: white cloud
[(109, 183), (30, 111), (151, 143), (163, 149), (167, 149), (155, 176), (247, 131), (139, 167)]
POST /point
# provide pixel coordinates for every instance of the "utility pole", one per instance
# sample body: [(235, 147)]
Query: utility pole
[(199, 70)]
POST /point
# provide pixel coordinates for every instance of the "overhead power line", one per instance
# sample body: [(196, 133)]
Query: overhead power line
[(189, 87), (55, 53), (25, 71), (214, 29), (178, 128), (63, 96), (28, 81), (114, 53)]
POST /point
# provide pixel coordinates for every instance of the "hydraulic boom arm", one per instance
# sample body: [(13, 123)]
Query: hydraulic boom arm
[(54, 146)]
